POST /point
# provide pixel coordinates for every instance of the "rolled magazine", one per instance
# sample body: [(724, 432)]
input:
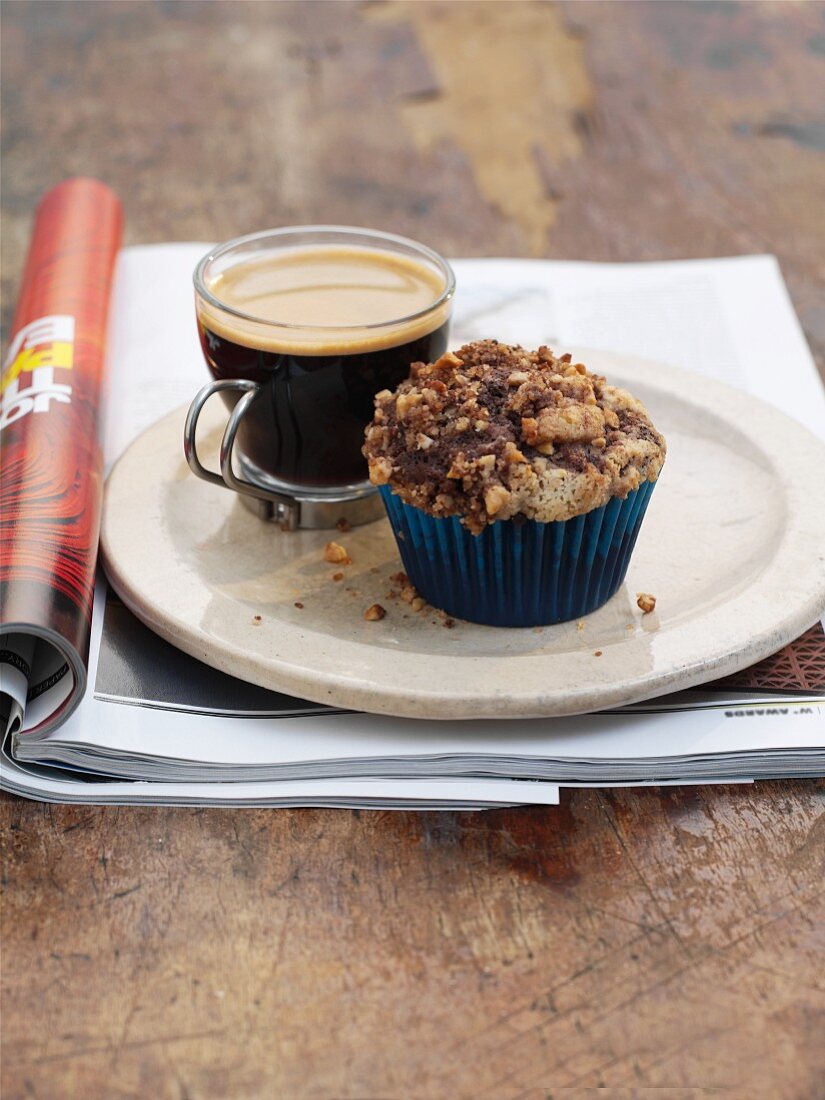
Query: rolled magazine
[(52, 476)]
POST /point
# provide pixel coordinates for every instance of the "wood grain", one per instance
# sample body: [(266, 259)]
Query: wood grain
[(627, 940)]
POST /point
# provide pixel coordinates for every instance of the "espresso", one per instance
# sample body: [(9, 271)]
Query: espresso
[(329, 287), (322, 330)]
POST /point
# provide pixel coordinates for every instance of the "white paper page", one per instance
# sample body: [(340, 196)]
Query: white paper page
[(473, 793), (177, 735), (154, 362)]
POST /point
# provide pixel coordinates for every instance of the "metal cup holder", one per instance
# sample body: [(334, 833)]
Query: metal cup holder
[(355, 504)]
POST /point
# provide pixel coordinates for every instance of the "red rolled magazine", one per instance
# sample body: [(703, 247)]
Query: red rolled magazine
[(52, 481)]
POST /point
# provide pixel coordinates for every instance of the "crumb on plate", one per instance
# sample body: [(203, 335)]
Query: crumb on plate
[(335, 553)]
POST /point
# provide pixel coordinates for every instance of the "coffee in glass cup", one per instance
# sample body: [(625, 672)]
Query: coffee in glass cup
[(300, 328)]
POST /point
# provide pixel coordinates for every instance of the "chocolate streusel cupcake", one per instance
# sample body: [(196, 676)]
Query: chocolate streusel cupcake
[(515, 482)]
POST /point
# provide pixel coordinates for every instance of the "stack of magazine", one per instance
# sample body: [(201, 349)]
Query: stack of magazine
[(156, 726)]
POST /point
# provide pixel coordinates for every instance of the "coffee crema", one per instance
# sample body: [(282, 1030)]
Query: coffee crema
[(325, 299), (321, 329)]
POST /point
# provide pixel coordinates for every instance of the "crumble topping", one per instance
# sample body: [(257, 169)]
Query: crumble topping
[(491, 432)]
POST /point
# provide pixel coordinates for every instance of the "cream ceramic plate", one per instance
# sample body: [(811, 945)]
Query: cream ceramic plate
[(733, 548)]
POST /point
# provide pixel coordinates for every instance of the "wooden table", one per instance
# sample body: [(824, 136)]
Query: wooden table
[(630, 939)]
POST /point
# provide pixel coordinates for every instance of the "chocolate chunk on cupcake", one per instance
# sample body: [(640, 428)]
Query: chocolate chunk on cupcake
[(495, 444)]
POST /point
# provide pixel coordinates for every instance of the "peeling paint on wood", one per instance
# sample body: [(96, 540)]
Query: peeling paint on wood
[(512, 88)]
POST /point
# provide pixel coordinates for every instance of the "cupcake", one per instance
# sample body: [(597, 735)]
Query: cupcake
[(515, 482)]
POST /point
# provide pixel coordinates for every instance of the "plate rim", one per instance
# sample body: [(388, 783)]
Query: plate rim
[(326, 685)]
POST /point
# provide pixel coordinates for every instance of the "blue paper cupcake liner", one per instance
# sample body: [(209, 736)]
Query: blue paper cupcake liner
[(519, 572)]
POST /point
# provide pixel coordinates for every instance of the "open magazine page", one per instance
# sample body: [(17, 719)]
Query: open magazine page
[(156, 714)]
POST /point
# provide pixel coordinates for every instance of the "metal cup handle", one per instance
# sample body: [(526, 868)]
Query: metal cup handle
[(288, 509)]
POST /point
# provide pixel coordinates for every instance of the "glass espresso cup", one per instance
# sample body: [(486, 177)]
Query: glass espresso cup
[(300, 328)]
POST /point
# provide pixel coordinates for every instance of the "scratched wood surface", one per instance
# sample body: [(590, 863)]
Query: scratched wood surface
[(628, 940)]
